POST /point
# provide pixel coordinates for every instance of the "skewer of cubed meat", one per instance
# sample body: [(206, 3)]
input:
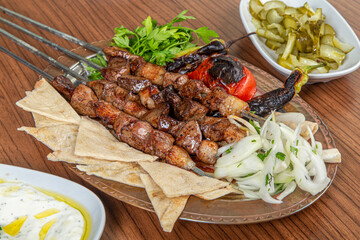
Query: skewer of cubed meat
[(215, 99), (138, 134), (188, 134)]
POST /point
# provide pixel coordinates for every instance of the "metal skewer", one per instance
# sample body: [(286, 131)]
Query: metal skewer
[(26, 63), (43, 55), (51, 60), (53, 45), (53, 31)]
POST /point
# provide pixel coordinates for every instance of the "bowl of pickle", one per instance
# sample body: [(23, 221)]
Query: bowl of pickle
[(302, 33)]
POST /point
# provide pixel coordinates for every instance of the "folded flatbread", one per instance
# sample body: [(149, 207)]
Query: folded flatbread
[(67, 155), (94, 140), (55, 137), (177, 182), (46, 101), (42, 121), (167, 209), (218, 193), (123, 172)]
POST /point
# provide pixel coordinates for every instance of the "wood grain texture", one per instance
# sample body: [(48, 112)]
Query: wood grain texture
[(336, 215)]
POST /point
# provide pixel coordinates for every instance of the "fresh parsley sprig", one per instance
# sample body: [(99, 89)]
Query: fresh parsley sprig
[(158, 44)]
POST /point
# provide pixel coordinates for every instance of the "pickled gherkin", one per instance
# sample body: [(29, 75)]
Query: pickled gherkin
[(300, 36)]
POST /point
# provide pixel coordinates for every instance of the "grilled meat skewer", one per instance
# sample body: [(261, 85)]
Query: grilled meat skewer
[(138, 134), (188, 134), (217, 100)]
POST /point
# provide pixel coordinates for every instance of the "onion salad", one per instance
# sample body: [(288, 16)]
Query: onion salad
[(275, 158)]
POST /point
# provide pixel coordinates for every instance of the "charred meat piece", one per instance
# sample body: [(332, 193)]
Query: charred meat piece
[(110, 92), (138, 135), (154, 73), (146, 96), (133, 97), (106, 112), (83, 99), (169, 124), (179, 157), (233, 134), (189, 110), (207, 151), (175, 79), (162, 143), (189, 137), (220, 129), (133, 83), (121, 121), (153, 116), (194, 89), (213, 128), (64, 86), (116, 67), (214, 98), (135, 109), (135, 62), (232, 106)]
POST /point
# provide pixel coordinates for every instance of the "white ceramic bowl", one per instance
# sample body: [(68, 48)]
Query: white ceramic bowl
[(343, 31), (64, 187)]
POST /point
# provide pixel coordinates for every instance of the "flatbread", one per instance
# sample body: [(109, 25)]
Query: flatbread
[(94, 140), (177, 182), (46, 101), (42, 121), (67, 155), (218, 193), (167, 209), (123, 172), (55, 137)]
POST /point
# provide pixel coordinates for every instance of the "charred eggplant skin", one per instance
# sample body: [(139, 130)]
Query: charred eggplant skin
[(278, 98), (189, 62)]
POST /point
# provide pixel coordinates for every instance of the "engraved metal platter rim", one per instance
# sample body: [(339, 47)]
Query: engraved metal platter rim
[(199, 210)]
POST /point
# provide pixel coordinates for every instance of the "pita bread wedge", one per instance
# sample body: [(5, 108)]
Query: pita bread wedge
[(67, 155), (218, 193), (123, 172), (42, 121), (55, 137), (167, 209), (46, 101), (94, 140), (177, 182)]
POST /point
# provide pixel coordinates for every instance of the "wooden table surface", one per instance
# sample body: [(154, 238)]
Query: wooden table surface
[(335, 215)]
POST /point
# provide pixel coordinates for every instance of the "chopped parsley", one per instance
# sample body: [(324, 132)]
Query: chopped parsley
[(253, 140), (314, 152), (228, 150), (262, 156), (268, 179), (294, 150), (280, 156), (272, 142), (257, 128), (250, 174), (239, 165)]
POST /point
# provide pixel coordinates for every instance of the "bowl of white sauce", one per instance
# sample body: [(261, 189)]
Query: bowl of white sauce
[(37, 205)]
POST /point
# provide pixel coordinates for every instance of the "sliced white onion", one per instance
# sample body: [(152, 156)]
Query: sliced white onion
[(235, 119), (289, 189), (240, 151)]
